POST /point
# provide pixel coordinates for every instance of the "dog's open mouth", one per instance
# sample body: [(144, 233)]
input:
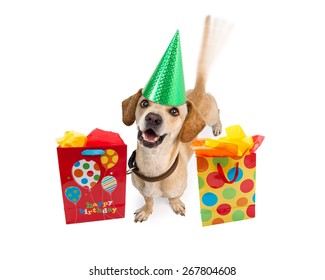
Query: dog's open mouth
[(150, 139)]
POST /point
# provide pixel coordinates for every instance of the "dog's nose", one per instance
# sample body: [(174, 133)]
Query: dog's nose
[(154, 119)]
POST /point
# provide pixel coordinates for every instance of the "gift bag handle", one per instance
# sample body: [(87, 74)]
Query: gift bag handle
[(222, 174), (94, 152)]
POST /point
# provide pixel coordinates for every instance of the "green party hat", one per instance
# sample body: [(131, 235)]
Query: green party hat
[(166, 85)]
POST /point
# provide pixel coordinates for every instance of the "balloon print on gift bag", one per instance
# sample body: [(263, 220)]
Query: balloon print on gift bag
[(109, 184), (86, 173), (73, 194)]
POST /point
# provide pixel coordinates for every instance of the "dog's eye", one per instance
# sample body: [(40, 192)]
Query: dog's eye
[(144, 103), (174, 112)]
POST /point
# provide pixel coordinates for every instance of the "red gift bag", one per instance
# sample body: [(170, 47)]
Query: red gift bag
[(93, 178)]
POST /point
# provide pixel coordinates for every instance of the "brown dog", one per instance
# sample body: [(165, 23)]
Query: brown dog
[(165, 134)]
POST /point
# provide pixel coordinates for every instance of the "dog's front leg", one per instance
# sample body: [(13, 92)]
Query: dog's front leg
[(217, 126), (144, 212), (177, 206)]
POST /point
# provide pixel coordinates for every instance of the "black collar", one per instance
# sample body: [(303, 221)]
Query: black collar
[(134, 168)]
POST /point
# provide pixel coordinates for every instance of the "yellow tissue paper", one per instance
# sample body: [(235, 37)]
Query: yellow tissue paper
[(236, 143), (72, 139)]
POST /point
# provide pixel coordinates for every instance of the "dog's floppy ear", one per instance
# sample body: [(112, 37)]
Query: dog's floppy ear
[(192, 125), (128, 108)]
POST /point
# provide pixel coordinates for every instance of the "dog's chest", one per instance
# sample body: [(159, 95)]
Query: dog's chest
[(152, 189)]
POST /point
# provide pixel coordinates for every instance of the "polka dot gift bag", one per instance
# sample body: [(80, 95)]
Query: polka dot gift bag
[(226, 176), (93, 175)]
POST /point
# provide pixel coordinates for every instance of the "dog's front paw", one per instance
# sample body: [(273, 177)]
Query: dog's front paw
[(217, 129), (142, 214), (177, 206)]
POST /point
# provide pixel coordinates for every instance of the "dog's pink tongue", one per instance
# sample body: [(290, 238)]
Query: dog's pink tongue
[(150, 136)]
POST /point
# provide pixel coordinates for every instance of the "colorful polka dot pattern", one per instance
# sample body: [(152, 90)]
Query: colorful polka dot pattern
[(73, 194), (86, 173), (223, 202), (109, 159)]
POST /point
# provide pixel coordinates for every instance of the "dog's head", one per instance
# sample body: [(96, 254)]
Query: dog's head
[(158, 124)]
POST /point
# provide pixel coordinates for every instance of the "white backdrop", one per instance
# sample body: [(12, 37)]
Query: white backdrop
[(68, 65)]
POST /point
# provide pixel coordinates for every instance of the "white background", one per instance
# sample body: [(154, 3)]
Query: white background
[(68, 65)]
